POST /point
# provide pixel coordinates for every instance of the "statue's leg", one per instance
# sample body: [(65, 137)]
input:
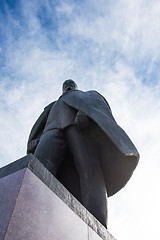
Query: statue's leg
[(86, 156), (51, 150)]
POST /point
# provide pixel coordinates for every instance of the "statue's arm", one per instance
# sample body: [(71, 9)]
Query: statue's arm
[(101, 97), (81, 120), (107, 104), (37, 130), (31, 147)]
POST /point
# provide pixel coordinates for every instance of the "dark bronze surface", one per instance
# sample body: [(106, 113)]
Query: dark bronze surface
[(78, 141)]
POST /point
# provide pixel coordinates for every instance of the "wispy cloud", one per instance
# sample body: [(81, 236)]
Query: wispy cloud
[(112, 47)]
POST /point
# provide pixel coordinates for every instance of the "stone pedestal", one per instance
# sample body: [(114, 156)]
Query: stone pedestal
[(35, 206)]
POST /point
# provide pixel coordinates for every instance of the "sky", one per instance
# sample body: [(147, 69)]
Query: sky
[(109, 46)]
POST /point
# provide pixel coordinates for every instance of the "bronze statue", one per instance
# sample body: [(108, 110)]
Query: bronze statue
[(78, 140)]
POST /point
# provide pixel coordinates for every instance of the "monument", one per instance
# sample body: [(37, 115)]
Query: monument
[(78, 140), (77, 157)]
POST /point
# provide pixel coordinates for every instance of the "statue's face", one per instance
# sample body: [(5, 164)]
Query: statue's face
[(69, 85)]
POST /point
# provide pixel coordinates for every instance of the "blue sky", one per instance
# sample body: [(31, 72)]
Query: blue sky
[(110, 46)]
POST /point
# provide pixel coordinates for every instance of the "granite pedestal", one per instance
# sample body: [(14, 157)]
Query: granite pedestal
[(34, 205)]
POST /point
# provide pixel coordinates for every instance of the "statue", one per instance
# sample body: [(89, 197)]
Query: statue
[(78, 141)]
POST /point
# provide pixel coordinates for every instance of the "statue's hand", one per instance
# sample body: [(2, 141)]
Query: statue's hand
[(32, 146), (81, 120)]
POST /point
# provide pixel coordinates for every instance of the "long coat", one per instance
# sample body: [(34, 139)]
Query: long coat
[(120, 156)]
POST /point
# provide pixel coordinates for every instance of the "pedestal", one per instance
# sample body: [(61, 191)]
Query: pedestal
[(34, 205)]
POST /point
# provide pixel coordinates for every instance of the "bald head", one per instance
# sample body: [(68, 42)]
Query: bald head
[(69, 85)]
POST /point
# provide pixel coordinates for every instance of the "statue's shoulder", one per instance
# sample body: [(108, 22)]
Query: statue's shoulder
[(94, 92), (98, 95), (49, 106)]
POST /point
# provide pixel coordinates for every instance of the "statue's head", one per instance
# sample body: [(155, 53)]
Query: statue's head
[(69, 85)]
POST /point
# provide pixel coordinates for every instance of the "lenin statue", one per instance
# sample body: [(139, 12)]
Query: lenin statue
[(78, 141)]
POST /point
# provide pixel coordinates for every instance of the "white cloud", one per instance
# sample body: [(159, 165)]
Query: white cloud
[(110, 47)]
